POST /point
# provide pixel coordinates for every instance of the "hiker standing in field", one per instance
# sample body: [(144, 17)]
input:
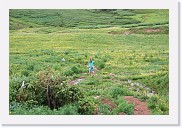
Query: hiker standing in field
[(91, 66)]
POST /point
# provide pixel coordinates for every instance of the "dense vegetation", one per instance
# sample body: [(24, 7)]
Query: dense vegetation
[(51, 48)]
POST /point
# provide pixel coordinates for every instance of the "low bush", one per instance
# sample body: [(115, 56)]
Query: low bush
[(118, 91), (158, 105), (25, 73), (15, 91), (104, 109), (124, 107), (48, 89), (91, 81), (69, 109), (100, 64), (24, 109), (86, 106), (74, 70)]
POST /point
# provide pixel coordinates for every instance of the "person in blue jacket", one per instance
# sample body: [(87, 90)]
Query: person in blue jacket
[(91, 66)]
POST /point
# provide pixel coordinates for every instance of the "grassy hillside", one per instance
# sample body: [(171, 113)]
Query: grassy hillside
[(130, 49), (86, 18)]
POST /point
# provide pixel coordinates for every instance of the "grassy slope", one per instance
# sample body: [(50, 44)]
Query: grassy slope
[(132, 56), (85, 18)]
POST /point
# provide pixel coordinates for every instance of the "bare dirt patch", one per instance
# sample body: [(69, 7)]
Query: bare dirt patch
[(140, 107), (111, 104), (118, 33), (152, 30), (76, 81), (127, 33)]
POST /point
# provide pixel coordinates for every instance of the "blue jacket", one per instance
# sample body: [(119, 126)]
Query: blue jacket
[(91, 64)]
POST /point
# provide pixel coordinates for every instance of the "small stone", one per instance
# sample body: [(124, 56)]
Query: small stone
[(137, 84), (132, 84), (129, 81), (63, 59), (138, 89), (97, 97), (111, 74), (135, 109)]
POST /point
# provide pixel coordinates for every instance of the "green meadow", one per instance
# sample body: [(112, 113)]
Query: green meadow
[(49, 52)]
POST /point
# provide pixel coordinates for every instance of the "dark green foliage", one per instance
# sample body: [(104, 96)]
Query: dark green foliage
[(124, 107), (91, 81), (25, 73), (69, 109), (86, 106), (16, 92), (74, 70), (100, 64), (153, 102), (24, 109), (49, 89), (104, 109), (158, 105), (118, 91), (68, 73), (30, 67), (55, 91)]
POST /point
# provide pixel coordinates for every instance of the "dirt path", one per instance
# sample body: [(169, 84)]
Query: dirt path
[(140, 107), (151, 30), (76, 81)]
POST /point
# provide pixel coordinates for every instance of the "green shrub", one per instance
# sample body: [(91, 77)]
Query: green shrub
[(49, 89), (118, 91), (69, 109), (30, 67), (100, 64), (25, 73), (68, 73), (124, 107), (158, 105), (104, 109), (91, 81), (17, 93), (56, 67), (74, 70), (86, 106), (24, 109), (93, 92)]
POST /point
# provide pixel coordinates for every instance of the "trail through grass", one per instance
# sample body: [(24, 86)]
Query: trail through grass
[(50, 49)]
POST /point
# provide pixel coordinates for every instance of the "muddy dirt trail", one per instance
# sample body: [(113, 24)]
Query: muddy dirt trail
[(140, 107), (76, 81)]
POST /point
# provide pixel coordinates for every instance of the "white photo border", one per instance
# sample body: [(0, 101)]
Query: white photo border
[(171, 119)]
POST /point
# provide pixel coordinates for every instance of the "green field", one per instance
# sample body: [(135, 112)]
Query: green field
[(130, 49)]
